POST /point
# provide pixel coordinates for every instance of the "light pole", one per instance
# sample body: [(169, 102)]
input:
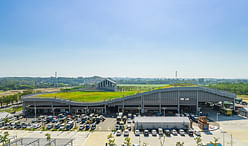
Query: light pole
[(223, 132)]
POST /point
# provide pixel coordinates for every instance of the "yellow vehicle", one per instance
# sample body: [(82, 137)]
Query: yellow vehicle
[(226, 111)]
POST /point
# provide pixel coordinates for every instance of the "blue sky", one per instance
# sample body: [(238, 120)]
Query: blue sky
[(124, 38)]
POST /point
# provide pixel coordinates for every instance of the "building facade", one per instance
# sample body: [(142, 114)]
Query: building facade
[(168, 100)]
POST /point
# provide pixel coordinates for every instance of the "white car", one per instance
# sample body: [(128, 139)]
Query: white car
[(160, 131), (118, 133), (174, 132), (182, 133), (137, 132), (154, 132), (129, 121), (126, 133), (129, 127)]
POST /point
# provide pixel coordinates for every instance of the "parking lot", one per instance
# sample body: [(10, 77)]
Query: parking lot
[(233, 129), (61, 122)]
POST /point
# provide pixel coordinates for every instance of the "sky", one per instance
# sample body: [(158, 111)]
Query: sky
[(124, 38)]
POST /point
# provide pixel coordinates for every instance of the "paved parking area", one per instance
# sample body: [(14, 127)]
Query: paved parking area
[(79, 137), (107, 125)]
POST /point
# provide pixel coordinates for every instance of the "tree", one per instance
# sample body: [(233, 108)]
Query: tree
[(179, 143), (127, 141), (48, 136), (198, 141), (4, 139), (215, 141), (111, 140), (6, 120)]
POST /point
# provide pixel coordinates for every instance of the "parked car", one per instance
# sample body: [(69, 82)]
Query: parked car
[(129, 127), (62, 126), (57, 126), (174, 132), (129, 120), (154, 132), (137, 132), (116, 127), (118, 133), (190, 132), (181, 131), (160, 131), (49, 126), (167, 132), (146, 133), (81, 127), (197, 133), (87, 127), (93, 126), (126, 132)]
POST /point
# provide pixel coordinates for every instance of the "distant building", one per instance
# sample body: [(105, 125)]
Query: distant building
[(107, 85)]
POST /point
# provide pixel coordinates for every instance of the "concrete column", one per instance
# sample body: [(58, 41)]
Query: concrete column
[(52, 108), (160, 102), (24, 108), (178, 102), (87, 109), (197, 100), (142, 103), (105, 109), (35, 111), (234, 104), (123, 106)]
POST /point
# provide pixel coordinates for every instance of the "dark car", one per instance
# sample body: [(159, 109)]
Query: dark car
[(167, 132), (146, 133), (87, 127), (93, 126)]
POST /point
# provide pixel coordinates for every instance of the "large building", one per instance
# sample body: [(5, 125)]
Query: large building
[(168, 100), (107, 85)]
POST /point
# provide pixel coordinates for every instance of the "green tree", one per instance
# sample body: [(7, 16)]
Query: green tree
[(214, 143), (4, 138), (48, 136), (198, 141), (127, 141), (179, 143), (111, 140)]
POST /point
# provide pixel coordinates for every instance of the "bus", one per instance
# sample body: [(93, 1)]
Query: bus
[(226, 111)]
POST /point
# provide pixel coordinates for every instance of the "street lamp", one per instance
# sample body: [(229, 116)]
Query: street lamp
[(223, 132)]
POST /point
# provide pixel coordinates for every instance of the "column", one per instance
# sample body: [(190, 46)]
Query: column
[(160, 102), (142, 104), (123, 106), (197, 100), (35, 111), (105, 109), (178, 102), (52, 108), (234, 104), (24, 108)]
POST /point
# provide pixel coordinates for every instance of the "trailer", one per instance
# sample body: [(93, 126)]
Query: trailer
[(142, 123)]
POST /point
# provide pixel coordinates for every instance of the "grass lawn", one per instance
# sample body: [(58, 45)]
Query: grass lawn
[(244, 97), (81, 96), (143, 85), (10, 110)]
